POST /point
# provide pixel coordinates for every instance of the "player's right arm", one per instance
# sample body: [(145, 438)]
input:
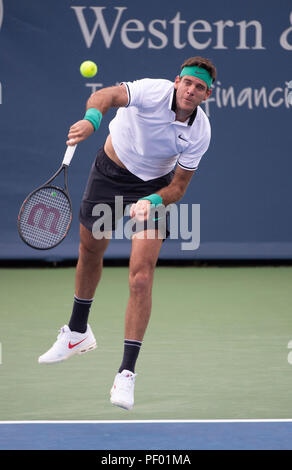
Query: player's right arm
[(103, 100)]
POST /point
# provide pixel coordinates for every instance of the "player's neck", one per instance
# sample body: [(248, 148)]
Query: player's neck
[(182, 116)]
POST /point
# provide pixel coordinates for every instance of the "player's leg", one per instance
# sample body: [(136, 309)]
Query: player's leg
[(143, 260), (90, 262), (144, 255), (77, 337), (88, 274)]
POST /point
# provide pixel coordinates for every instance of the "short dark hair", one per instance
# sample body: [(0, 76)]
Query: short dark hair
[(201, 62)]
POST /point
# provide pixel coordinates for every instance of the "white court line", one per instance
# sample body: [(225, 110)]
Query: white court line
[(146, 421)]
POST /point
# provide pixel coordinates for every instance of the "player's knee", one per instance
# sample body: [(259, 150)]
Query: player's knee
[(141, 281), (91, 251), (89, 248)]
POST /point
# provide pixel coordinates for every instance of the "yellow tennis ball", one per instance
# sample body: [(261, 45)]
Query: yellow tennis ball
[(88, 69)]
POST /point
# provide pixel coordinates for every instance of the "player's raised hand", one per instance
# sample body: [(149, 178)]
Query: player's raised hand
[(79, 131)]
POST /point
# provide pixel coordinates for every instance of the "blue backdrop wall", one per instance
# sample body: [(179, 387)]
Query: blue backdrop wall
[(243, 184)]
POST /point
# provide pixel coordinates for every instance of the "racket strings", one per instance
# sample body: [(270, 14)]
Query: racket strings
[(45, 217)]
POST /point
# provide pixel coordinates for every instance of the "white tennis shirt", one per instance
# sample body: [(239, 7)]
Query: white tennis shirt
[(146, 136)]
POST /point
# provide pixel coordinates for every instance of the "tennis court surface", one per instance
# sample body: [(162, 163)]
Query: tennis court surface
[(215, 353)]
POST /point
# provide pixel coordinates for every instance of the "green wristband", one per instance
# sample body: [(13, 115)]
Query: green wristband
[(155, 199), (94, 116)]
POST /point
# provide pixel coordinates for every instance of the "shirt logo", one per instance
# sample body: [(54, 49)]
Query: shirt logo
[(182, 138)]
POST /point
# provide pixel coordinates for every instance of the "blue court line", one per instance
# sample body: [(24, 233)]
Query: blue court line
[(147, 435)]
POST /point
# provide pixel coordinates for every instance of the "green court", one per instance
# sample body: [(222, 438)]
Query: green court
[(216, 346)]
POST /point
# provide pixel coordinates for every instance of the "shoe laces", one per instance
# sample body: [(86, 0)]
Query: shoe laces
[(62, 332)]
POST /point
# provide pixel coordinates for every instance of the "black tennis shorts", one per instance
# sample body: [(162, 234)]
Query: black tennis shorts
[(106, 181)]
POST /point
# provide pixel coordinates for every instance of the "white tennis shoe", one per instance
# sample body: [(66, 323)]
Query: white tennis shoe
[(69, 343), (122, 392)]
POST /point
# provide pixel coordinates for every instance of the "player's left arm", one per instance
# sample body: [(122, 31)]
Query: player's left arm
[(169, 194), (178, 186)]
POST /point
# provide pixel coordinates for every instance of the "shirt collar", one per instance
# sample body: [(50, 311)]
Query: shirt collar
[(173, 108)]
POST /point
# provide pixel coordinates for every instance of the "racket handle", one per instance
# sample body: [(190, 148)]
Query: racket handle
[(69, 154)]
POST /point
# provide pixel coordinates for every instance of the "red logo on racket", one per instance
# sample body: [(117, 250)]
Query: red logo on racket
[(45, 214)]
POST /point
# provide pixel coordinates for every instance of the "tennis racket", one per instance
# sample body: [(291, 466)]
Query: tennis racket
[(45, 216)]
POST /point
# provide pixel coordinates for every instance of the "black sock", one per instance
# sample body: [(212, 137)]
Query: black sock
[(80, 313), (131, 351)]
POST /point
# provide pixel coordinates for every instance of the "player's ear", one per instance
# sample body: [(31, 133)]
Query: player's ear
[(208, 93), (176, 82)]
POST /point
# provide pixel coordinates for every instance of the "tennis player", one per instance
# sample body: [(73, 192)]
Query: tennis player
[(155, 143)]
